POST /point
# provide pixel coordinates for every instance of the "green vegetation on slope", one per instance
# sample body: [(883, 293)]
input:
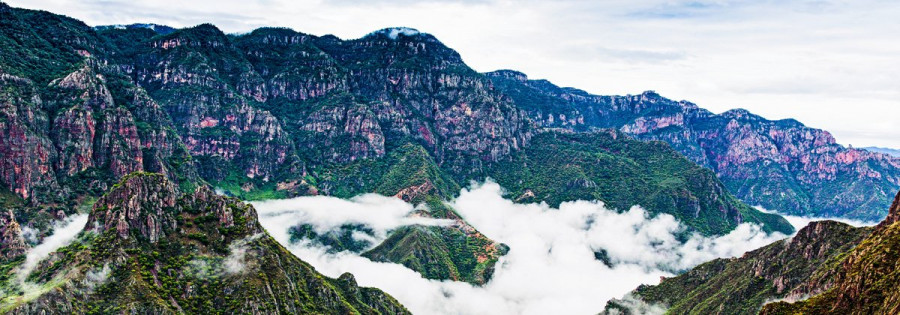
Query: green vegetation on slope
[(742, 285), (457, 253), (622, 172), (207, 245), (866, 281)]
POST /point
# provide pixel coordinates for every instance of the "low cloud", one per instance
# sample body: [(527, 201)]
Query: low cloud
[(551, 267), (96, 277), (380, 213), (208, 267), (64, 232), (237, 250), (632, 305), (31, 235), (800, 222)]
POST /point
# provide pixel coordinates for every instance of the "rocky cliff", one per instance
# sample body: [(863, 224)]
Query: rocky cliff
[(865, 281), (827, 268), (26, 166), (149, 249), (743, 285), (781, 165)]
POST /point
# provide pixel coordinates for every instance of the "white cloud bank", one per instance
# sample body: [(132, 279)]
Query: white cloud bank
[(551, 267), (377, 212), (798, 222)]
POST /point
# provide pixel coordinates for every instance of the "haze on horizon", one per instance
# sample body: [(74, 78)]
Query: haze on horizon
[(830, 64)]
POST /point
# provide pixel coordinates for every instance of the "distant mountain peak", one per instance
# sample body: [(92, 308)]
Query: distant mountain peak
[(888, 151), (395, 32), (159, 29), (509, 74), (738, 113)]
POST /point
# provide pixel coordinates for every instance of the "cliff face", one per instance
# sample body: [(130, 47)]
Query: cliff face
[(80, 135), (72, 123), (781, 165), (423, 90), (27, 152), (150, 249), (263, 107), (865, 282), (827, 268), (197, 75), (782, 270), (90, 131), (354, 99), (277, 113)]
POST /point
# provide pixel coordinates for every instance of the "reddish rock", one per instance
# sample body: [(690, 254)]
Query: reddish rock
[(12, 243), (26, 152)]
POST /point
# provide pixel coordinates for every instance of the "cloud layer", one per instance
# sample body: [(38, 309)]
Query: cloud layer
[(798, 222), (807, 59), (551, 266), (380, 213)]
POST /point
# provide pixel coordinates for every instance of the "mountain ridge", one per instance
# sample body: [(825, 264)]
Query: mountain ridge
[(265, 114), (781, 165)]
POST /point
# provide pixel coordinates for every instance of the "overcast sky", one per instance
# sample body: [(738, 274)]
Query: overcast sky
[(833, 65)]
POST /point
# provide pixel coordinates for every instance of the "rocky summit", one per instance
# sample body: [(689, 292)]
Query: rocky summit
[(148, 249)]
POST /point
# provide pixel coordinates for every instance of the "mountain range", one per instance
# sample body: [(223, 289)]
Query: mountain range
[(780, 165), (87, 112)]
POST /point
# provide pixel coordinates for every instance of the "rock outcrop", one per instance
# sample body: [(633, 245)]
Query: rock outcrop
[(150, 249), (865, 281), (140, 203), (12, 243)]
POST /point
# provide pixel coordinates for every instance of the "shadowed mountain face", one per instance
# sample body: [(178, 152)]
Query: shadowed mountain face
[(787, 269), (827, 268), (148, 249), (865, 282), (781, 165)]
